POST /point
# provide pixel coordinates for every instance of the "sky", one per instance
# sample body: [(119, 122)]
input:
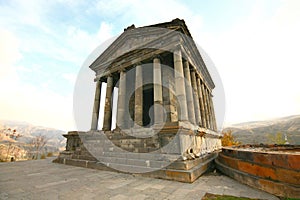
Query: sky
[(254, 45)]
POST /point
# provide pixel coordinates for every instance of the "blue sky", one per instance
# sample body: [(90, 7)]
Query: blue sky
[(254, 45)]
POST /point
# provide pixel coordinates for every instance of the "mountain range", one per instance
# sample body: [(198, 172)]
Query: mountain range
[(257, 132), (254, 132), (55, 139)]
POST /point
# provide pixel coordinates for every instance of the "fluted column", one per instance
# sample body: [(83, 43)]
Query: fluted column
[(121, 100), (201, 104), (95, 116), (138, 98), (209, 110), (189, 92), (205, 106), (196, 99), (108, 104), (180, 86), (158, 97), (215, 128)]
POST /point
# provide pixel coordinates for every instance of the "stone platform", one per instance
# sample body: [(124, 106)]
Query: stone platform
[(42, 179), (183, 171), (126, 154)]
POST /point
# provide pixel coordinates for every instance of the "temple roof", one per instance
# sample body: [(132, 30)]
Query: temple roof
[(135, 44)]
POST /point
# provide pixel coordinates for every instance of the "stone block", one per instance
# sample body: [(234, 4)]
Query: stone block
[(293, 162)]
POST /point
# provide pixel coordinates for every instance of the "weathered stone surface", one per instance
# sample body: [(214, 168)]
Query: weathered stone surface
[(30, 180), (262, 167), (95, 116), (138, 100), (121, 115), (108, 104), (157, 86)]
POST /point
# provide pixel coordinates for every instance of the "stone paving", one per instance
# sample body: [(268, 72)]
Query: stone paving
[(42, 179)]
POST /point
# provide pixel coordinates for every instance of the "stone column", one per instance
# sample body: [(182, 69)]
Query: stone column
[(201, 104), (209, 109), (189, 92), (215, 128), (180, 86), (208, 114), (196, 99), (121, 122), (108, 104), (205, 106), (95, 116), (168, 92), (138, 98), (157, 87)]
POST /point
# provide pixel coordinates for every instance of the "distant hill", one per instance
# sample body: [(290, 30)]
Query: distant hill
[(257, 131), (55, 140)]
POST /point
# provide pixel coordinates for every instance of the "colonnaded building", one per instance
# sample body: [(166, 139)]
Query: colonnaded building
[(165, 122)]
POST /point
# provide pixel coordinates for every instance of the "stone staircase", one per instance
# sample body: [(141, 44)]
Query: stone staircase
[(98, 152)]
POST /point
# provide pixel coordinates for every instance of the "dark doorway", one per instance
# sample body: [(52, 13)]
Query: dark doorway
[(148, 112)]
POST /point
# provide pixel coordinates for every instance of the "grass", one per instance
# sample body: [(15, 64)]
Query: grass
[(209, 196)]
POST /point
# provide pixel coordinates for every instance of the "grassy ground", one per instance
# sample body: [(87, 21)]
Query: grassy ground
[(209, 196)]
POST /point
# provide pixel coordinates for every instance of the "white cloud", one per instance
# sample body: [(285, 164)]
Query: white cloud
[(9, 52), (70, 77), (38, 103), (143, 13), (21, 101), (258, 62)]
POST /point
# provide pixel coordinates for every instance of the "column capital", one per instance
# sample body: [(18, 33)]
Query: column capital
[(157, 57), (137, 63), (178, 47), (186, 64), (122, 69), (194, 70)]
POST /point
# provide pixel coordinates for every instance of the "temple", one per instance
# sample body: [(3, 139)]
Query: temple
[(165, 124)]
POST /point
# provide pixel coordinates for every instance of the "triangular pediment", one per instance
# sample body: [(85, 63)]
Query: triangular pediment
[(133, 43), (128, 41)]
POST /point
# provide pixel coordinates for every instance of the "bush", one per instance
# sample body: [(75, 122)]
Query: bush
[(43, 156), (49, 154), (228, 139)]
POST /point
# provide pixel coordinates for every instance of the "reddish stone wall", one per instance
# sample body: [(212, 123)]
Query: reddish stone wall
[(275, 169)]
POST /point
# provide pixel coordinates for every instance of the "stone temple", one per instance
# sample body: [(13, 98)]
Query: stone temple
[(165, 124)]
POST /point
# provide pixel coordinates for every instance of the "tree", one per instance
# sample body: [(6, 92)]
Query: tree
[(277, 138), (37, 144), (228, 139), (10, 136)]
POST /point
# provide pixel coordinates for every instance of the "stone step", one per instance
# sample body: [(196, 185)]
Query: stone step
[(134, 169), (151, 169), (146, 160), (137, 160), (134, 162), (141, 156)]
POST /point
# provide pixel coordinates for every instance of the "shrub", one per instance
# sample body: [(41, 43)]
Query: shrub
[(49, 154), (228, 139)]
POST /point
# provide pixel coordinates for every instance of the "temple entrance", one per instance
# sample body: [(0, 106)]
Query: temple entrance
[(148, 111)]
